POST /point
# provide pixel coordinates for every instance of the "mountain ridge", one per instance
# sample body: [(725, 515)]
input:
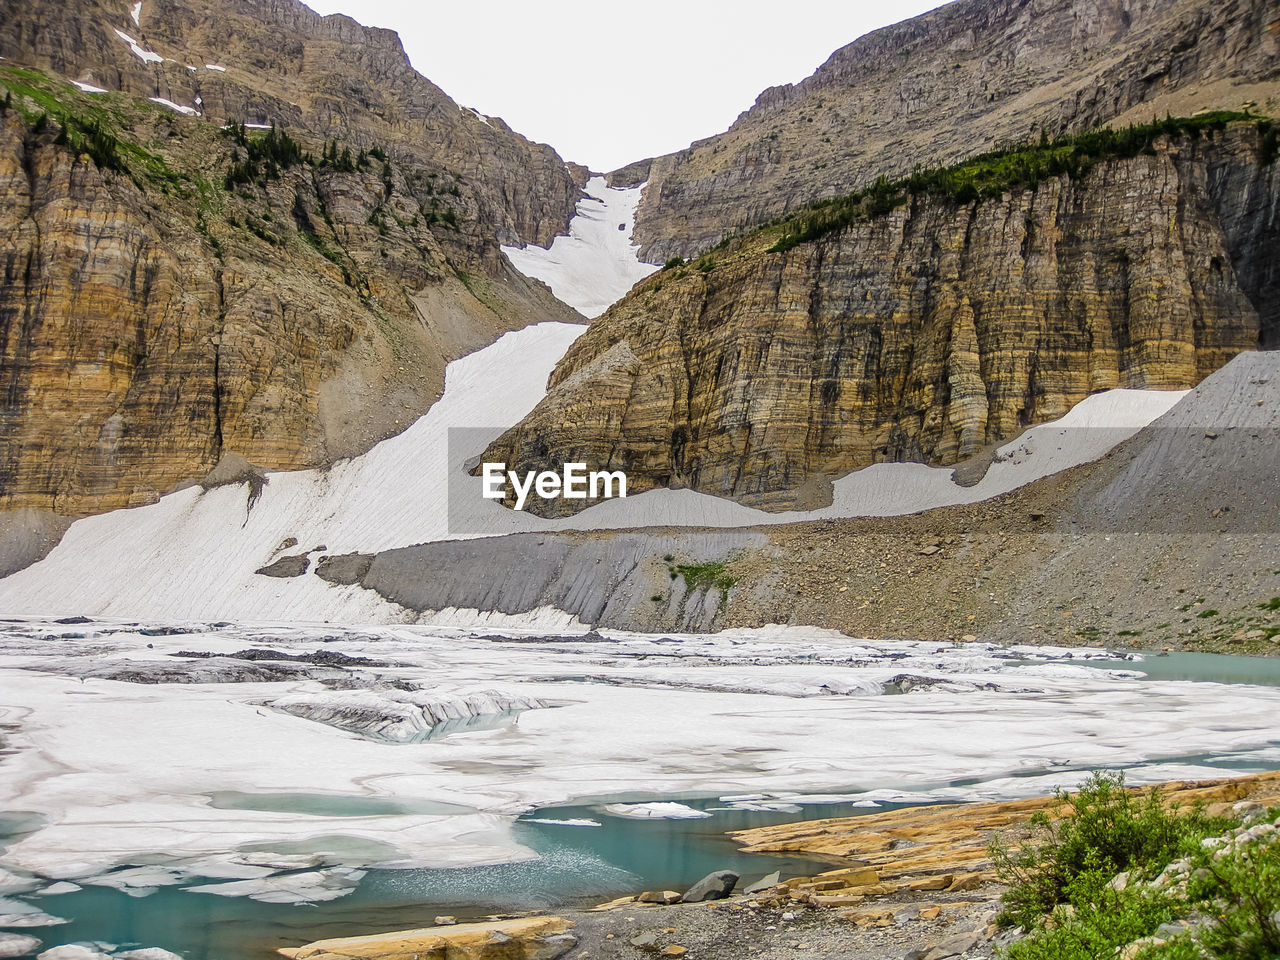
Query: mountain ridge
[(951, 83)]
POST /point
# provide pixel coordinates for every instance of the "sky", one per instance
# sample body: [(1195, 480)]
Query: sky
[(609, 83)]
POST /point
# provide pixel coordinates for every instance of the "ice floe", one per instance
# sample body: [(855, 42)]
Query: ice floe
[(661, 810), (18, 944), (399, 716), (571, 822), (596, 264), (311, 887), (751, 734), (18, 915)]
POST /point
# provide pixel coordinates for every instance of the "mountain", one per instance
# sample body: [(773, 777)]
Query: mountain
[(953, 83), (238, 230), (927, 319)]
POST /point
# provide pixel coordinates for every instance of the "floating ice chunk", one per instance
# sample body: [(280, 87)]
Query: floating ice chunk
[(73, 951), (18, 944), (312, 887), (189, 111), (146, 56), (148, 953), (571, 822), (19, 915), (16, 883), (215, 66), (764, 806), (59, 888), (655, 811), (87, 87), (136, 12), (398, 716), (137, 881)]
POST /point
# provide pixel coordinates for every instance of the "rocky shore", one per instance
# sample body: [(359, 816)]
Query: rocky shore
[(914, 883)]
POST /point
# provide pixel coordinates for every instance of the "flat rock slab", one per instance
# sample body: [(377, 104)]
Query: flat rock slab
[(528, 938)]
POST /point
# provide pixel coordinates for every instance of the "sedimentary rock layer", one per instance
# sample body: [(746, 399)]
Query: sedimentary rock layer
[(950, 84), (926, 333), (156, 318)]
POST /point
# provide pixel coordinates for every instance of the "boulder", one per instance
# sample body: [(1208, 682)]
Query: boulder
[(764, 883), (714, 886)]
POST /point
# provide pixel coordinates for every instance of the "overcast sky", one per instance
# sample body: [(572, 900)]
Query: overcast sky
[(609, 83)]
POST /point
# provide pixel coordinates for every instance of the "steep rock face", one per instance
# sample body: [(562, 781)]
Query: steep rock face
[(951, 84), (256, 61), (925, 333), (155, 319)]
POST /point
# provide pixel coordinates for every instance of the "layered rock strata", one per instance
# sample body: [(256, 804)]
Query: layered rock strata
[(926, 333), (950, 84)]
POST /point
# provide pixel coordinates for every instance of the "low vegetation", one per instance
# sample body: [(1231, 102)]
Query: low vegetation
[(1123, 874), (1011, 168), (714, 574)]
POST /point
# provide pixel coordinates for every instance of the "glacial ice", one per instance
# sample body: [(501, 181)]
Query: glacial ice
[(748, 732), (398, 716)]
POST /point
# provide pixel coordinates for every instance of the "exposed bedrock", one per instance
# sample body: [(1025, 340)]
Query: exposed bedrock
[(953, 83), (926, 333), (1169, 540), (608, 579), (167, 300)]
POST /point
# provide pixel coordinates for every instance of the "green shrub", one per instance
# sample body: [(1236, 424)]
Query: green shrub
[(1106, 829), (1245, 890), (714, 573), (1100, 921)]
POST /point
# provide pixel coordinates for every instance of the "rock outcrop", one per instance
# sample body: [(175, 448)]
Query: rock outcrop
[(164, 307), (528, 938), (924, 333), (258, 61), (950, 84)]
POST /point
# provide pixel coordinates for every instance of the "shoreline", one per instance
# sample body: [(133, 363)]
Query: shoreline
[(914, 882)]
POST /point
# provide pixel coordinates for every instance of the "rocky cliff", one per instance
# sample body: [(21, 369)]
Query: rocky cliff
[(951, 84), (926, 320), (1168, 541), (255, 61), (172, 292)]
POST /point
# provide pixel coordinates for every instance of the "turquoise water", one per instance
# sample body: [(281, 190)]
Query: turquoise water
[(576, 864), (1202, 667)]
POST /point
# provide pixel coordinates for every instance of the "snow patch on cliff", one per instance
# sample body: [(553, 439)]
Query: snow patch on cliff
[(146, 56), (596, 264), (194, 553)]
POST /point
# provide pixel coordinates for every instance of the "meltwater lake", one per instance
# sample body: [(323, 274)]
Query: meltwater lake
[(182, 810)]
